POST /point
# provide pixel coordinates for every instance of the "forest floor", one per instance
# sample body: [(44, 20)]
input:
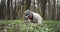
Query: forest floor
[(20, 26)]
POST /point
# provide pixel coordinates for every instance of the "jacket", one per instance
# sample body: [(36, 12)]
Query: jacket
[(36, 18)]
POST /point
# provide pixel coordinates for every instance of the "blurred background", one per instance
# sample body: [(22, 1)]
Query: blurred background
[(12, 15), (14, 9)]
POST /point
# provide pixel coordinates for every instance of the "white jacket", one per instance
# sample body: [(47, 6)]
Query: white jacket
[(36, 18)]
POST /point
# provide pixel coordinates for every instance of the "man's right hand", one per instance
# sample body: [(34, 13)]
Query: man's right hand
[(26, 18)]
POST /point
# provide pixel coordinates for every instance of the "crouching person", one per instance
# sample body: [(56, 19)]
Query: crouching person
[(33, 17)]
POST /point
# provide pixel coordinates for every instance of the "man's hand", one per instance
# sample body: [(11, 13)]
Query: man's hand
[(40, 22), (26, 18)]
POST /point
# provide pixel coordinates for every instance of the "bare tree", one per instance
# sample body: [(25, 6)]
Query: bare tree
[(11, 10), (43, 6), (27, 5), (8, 9), (54, 10), (58, 10), (14, 10), (2, 9)]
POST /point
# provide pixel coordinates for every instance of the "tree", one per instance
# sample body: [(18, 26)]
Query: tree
[(58, 10), (27, 5), (47, 12), (14, 11), (11, 10), (43, 6), (8, 9), (2, 9), (54, 11)]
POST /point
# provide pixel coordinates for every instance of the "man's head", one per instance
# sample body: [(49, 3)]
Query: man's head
[(28, 13)]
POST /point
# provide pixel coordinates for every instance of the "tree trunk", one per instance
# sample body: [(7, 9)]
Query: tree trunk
[(54, 11), (27, 5), (11, 10), (2, 9), (14, 11), (38, 8), (48, 10), (8, 9), (43, 6), (58, 12)]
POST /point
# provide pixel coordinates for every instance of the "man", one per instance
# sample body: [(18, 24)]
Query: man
[(33, 17)]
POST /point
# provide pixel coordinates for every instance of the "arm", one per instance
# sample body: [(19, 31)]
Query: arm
[(39, 19), (27, 19)]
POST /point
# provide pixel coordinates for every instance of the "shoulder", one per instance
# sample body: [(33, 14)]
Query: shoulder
[(36, 15)]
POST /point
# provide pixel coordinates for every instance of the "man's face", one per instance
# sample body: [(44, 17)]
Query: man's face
[(30, 16)]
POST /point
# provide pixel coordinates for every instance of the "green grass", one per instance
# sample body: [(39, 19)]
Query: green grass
[(20, 26), (54, 26)]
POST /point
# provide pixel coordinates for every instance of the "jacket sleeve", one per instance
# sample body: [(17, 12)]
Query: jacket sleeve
[(39, 19)]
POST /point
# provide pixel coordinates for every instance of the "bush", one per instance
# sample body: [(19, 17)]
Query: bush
[(20, 26)]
